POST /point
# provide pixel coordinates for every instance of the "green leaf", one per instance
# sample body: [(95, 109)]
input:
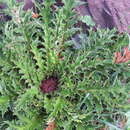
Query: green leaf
[(88, 20)]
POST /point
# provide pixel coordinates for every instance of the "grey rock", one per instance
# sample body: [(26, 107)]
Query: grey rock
[(108, 13)]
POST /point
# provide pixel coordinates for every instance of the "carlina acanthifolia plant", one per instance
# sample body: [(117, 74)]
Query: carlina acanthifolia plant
[(39, 90)]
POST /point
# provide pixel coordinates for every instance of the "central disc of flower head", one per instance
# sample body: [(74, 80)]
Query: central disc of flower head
[(49, 85)]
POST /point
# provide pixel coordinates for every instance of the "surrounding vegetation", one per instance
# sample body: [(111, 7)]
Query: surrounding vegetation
[(45, 75)]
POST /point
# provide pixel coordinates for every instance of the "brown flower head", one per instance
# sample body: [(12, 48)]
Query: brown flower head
[(51, 126), (119, 58), (49, 85), (34, 15)]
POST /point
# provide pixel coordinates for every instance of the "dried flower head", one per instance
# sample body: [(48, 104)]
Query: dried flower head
[(51, 124), (118, 58), (16, 15), (34, 15), (49, 85)]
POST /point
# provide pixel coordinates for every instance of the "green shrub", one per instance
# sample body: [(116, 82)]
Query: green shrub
[(90, 90)]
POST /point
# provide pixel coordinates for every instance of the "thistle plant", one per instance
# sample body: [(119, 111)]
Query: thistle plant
[(44, 78)]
